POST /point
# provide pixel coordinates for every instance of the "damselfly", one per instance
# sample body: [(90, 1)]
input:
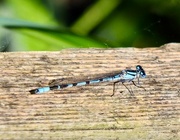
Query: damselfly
[(126, 75)]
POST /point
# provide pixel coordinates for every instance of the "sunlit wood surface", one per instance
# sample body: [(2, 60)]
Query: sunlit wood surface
[(89, 112)]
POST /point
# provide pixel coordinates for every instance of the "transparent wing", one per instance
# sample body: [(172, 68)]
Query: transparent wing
[(81, 78)]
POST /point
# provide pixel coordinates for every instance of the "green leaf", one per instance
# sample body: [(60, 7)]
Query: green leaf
[(94, 15), (51, 37)]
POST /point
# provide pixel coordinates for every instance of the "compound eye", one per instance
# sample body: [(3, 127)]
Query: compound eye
[(138, 67), (143, 74)]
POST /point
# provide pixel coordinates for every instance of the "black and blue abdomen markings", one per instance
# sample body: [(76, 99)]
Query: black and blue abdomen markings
[(48, 88), (123, 76)]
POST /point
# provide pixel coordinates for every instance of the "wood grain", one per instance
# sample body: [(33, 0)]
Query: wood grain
[(89, 112)]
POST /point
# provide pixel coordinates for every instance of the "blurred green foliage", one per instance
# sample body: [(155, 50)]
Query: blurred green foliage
[(57, 24)]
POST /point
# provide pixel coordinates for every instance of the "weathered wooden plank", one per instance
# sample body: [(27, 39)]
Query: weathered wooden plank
[(89, 112)]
